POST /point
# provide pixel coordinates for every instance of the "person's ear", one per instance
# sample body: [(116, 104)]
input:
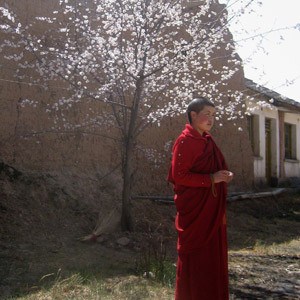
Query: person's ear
[(193, 115)]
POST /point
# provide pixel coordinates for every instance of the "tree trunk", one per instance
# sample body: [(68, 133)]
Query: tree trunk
[(128, 156), (126, 217)]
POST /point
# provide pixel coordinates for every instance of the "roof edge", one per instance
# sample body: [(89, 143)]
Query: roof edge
[(279, 100)]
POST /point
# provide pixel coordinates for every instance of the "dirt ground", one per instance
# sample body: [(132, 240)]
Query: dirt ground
[(44, 217), (264, 243)]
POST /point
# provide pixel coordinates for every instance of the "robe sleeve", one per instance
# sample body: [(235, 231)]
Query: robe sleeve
[(182, 163)]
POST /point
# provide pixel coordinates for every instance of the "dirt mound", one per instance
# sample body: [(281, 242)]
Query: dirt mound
[(44, 212)]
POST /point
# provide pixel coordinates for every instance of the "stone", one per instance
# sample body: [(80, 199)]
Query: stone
[(123, 241)]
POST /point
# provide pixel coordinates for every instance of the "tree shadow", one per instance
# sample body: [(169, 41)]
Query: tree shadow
[(25, 273), (264, 221)]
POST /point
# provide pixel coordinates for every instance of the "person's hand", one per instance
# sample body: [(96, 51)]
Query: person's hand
[(229, 176), (222, 175)]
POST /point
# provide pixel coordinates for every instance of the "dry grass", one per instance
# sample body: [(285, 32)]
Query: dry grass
[(286, 248), (120, 288)]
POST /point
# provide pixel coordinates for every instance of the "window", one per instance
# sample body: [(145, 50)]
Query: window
[(253, 129), (290, 141)]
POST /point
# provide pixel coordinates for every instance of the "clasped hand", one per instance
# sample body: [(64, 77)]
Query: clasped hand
[(223, 175)]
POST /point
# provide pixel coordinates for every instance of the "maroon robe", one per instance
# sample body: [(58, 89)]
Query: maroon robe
[(202, 267)]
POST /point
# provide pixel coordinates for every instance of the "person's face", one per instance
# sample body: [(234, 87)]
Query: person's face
[(203, 120)]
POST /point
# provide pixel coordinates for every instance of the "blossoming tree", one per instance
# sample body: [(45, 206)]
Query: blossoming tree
[(141, 60)]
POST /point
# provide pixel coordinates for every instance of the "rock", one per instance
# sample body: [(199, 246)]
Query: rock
[(123, 241), (100, 239), (148, 275)]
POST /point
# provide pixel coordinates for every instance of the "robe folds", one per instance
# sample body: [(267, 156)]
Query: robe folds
[(202, 267)]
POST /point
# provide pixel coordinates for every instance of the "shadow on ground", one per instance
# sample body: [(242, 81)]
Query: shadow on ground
[(264, 221)]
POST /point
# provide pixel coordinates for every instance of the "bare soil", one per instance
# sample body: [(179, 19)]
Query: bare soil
[(44, 218), (264, 243)]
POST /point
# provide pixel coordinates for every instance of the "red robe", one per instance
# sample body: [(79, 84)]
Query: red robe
[(202, 267)]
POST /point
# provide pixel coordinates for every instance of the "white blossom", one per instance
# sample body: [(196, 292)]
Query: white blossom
[(99, 51)]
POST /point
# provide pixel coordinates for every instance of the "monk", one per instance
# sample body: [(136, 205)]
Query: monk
[(200, 175)]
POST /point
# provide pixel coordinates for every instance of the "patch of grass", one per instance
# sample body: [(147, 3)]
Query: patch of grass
[(117, 288), (163, 272), (155, 264), (73, 287), (287, 248)]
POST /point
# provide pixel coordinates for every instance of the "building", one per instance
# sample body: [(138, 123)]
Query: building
[(274, 131)]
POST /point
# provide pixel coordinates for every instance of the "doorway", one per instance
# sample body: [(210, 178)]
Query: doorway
[(271, 152)]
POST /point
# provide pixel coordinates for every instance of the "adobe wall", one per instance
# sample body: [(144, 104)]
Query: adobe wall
[(48, 150)]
